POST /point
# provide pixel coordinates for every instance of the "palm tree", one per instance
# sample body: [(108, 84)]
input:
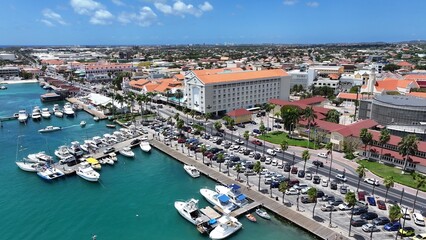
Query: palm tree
[(176, 117), (420, 183), (179, 125), (203, 150), (312, 195), (186, 111), (257, 168), (310, 116), (262, 130), (388, 182), (366, 138), (282, 188), (305, 157), (220, 158), (246, 136), (207, 116), (268, 108), (238, 169), (406, 147), (192, 113), (361, 174), (284, 147), (329, 147), (333, 116), (351, 200), (231, 126), (168, 92), (383, 139), (140, 98), (217, 126), (395, 215)]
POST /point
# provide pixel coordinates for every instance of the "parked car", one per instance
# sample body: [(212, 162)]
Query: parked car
[(371, 200), (381, 205), (392, 226), (421, 236), (316, 179), (291, 191), (320, 194), (381, 221), (359, 210), (343, 189), (406, 231), (418, 219), (293, 170), (287, 167), (318, 163), (372, 181), (361, 196), (341, 177), (241, 125), (369, 215), (328, 208), (301, 173), (256, 131), (323, 155), (405, 213), (308, 175), (358, 222), (305, 199), (333, 185), (344, 207), (370, 228), (335, 202), (271, 152), (257, 142), (324, 182)]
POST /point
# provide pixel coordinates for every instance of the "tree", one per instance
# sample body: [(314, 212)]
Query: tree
[(268, 108), (179, 125), (420, 183), (220, 158), (217, 125), (203, 150), (391, 67), (383, 139), (406, 147), (333, 116), (388, 182), (176, 117), (238, 169), (282, 188), (395, 213), (366, 138), (312, 195), (257, 168), (310, 116), (290, 116), (246, 136), (361, 174), (262, 130), (305, 157), (329, 147), (284, 147), (351, 200)]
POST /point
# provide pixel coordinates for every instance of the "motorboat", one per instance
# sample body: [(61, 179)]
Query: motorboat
[(68, 159), (86, 172), (22, 116), (49, 129), (36, 114), (97, 140), (68, 110), (82, 123), (127, 151), (108, 161), (45, 113), (49, 173), (84, 147), (28, 166), (263, 214), (59, 114), (39, 157), (91, 144), (220, 200), (227, 225), (75, 149), (191, 170), (111, 126), (110, 138), (251, 217), (113, 156), (94, 163), (145, 146), (3, 87), (96, 119), (63, 154), (233, 191), (119, 135), (189, 210), (56, 107)]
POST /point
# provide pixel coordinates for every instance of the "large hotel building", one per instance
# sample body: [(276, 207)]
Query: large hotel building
[(220, 91)]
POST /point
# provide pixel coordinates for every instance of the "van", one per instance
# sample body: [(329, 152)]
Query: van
[(271, 152)]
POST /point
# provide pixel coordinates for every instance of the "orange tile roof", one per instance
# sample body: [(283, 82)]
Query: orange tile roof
[(150, 87), (390, 84), (418, 94), (404, 63), (167, 83), (138, 83), (239, 76), (179, 76), (239, 112), (215, 71), (52, 62), (350, 96), (415, 77)]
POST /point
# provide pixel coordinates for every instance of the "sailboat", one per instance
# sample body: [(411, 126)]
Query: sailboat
[(25, 165)]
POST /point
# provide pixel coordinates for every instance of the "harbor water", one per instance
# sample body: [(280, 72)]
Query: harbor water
[(133, 199)]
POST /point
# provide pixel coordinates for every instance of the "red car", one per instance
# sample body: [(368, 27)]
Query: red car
[(181, 140), (381, 204), (294, 170), (257, 142), (361, 196)]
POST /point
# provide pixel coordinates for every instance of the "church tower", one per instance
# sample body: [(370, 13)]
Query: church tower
[(371, 82)]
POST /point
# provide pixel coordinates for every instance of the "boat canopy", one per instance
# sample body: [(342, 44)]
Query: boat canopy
[(241, 197), (223, 198), (234, 187), (212, 221), (92, 161)]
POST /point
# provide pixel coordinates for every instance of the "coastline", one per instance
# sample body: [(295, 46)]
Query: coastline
[(18, 81)]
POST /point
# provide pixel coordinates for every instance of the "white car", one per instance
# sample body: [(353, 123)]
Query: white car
[(324, 182), (323, 155), (271, 152), (370, 228), (291, 191), (418, 219), (344, 207), (305, 190), (268, 160), (341, 177), (278, 150), (372, 181), (274, 162)]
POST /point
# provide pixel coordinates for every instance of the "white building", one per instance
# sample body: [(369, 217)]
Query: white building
[(304, 78), (7, 56), (6, 72), (224, 90)]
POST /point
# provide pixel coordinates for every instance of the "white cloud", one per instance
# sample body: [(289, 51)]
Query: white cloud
[(47, 23), (118, 2), (101, 17), (289, 2), (181, 9), (85, 6), (52, 16), (145, 18), (312, 4)]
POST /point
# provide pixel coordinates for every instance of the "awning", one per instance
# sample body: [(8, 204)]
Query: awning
[(212, 221), (241, 197), (234, 187), (92, 161), (223, 198)]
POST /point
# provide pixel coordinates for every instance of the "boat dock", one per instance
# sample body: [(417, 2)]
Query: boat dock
[(2, 119), (92, 112), (307, 223)]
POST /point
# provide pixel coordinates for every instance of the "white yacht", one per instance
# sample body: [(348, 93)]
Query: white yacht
[(56, 107), (108, 161), (49, 129), (36, 114), (97, 140), (220, 200), (39, 157), (119, 135), (85, 147), (75, 149), (28, 166), (86, 172), (68, 110), (234, 193), (113, 156), (59, 114), (189, 210), (63, 154), (22, 116), (127, 151), (145, 146), (191, 170), (45, 113), (227, 225), (91, 144), (49, 173)]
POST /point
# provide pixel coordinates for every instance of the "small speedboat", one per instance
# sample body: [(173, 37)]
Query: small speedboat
[(45, 113), (263, 214), (108, 161), (36, 114), (49, 129), (191, 170), (113, 156), (22, 116), (68, 110), (96, 119), (59, 114), (145, 146), (250, 217), (86, 172), (126, 151), (95, 164), (49, 173), (111, 126), (3, 87), (82, 123), (226, 227), (28, 166)]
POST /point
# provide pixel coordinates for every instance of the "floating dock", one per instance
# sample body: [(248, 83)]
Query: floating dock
[(92, 112)]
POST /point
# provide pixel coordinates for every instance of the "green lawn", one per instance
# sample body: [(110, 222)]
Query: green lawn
[(383, 171), (278, 137)]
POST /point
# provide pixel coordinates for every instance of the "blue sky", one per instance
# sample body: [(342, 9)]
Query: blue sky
[(139, 22)]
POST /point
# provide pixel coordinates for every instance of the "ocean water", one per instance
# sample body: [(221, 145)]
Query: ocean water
[(133, 200)]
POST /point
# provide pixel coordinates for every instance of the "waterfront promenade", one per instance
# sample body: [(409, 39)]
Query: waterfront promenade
[(272, 204), (86, 108)]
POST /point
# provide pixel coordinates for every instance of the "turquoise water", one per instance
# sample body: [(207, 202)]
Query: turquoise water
[(133, 200)]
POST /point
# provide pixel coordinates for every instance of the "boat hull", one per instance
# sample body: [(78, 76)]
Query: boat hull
[(28, 167), (179, 207)]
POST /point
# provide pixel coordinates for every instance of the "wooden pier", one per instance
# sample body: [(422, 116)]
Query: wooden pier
[(265, 201), (92, 112)]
